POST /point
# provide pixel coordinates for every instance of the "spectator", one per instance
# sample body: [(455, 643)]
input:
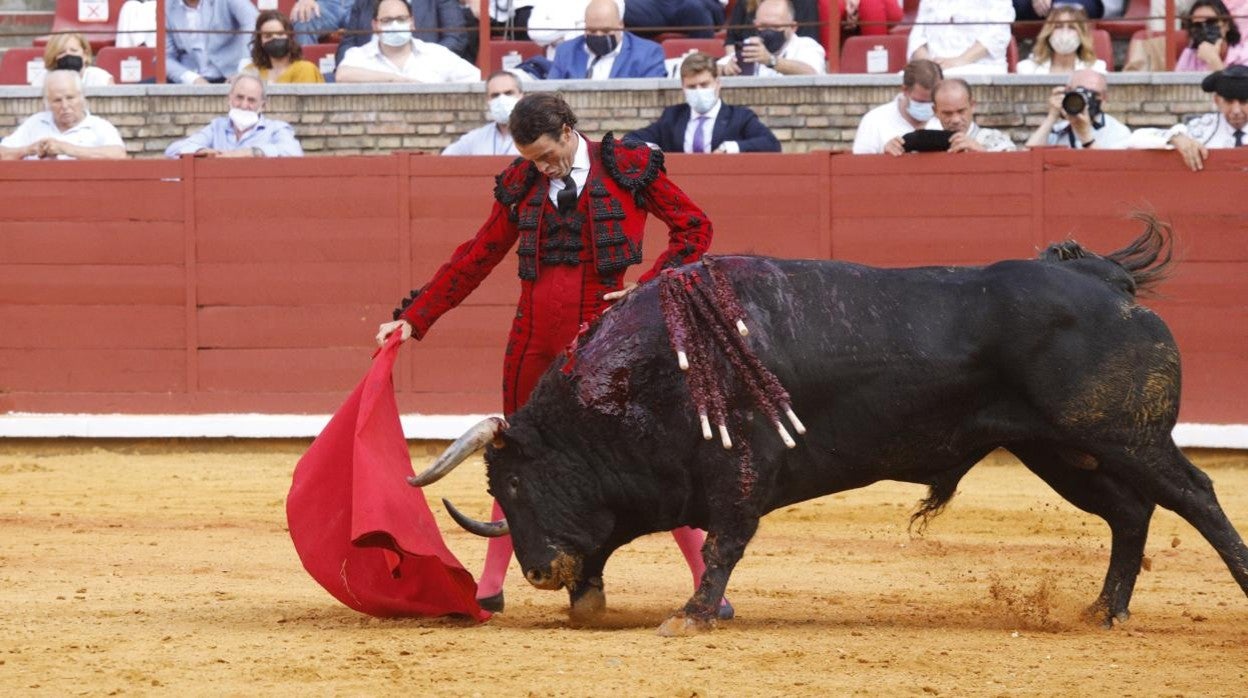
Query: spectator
[(502, 91), (1025, 10), (868, 17), (553, 22), (73, 52), (1063, 46), (66, 130), (717, 127), (955, 108), (316, 18), (1076, 118), (912, 109), (393, 55), (777, 49), (244, 132), (275, 55), (1215, 40), (508, 18), (136, 24), (435, 21), (966, 37), (606, 50), (1227, 127), (194, 57), (697, 18)]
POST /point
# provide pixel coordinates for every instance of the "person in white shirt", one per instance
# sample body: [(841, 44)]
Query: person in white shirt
[(777, 50), (1077, 119), (955, 108), (502, 92), (1225, 128), (881, 128), (1064, 45), (394, 56), (73, 52), (966, 37), (66, 131)]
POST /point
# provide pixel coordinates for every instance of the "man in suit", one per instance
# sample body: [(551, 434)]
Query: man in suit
[(704, 124), (606, 50), (197, 58)]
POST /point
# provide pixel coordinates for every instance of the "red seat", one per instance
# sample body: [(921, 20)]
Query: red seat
[(1011, 56), (13, 65), (110, 57), (1103, 45), (284, 6), (99, 32), (1133, 20), (315, 52), (501, 47), (854, 52), (909, 10), (675, 48)]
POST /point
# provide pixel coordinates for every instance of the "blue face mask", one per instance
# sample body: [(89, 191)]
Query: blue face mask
[(920, 111)]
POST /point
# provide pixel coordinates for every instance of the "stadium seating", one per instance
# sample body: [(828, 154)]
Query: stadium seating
[(854, 52), (501, 47), (675, 48), (1134, 19), (315, 52), (1103, 44), (100, 33), (13, 65), (110, 58)]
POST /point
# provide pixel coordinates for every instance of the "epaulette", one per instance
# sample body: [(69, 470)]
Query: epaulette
[(632, 164), (1202, 128), (514, 182)]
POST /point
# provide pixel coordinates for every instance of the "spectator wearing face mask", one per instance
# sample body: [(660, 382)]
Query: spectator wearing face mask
[(1215, 40), (606, 50), (777, 49), (502, 91), (881, 129), (73, 52), (275, 55), (393, 55), (704, 124), (242, 133), (1063, 46)]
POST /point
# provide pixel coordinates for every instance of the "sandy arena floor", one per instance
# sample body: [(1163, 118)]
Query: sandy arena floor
[(165, 568)]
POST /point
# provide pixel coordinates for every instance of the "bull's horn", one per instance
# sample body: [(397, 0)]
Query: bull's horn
[(473, 440), (492, 529)]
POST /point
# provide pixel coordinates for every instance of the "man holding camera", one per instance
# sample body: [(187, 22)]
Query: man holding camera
[(1076, 117)]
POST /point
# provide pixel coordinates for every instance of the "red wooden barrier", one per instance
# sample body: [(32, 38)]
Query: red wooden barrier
[(217, 286)]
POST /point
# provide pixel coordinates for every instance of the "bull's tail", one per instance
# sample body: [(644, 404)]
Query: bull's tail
[(1148, 259)]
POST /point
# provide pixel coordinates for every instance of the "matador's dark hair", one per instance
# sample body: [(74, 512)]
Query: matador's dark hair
[(540, 114)]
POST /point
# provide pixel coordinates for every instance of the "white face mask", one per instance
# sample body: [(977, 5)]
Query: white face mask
[(1064, 41), (700, 99), (396, 33), (499, 108), (920, 111), (243, 119)]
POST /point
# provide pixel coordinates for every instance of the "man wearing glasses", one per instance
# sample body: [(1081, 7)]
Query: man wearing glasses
[(394, 55)]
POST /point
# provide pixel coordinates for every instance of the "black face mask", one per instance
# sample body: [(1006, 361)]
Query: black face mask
[(773, 39), (73, 63), (276, 48), (600, 44)]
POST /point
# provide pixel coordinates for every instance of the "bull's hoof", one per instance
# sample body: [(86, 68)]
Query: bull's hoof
[(1099, 613), (590, 604), (726, 611), (681, 625)]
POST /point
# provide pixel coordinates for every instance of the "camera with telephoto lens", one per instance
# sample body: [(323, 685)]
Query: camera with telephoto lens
[(1209, 32), (1077, 99)]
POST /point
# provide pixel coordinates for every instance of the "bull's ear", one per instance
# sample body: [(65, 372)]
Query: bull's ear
[(499, 442)]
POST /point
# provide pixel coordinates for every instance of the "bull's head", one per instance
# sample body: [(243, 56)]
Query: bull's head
[(558, 527)]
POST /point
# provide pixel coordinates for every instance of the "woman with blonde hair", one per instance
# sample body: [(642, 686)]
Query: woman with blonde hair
[(1063, 45), (73, 52), (275, 55)]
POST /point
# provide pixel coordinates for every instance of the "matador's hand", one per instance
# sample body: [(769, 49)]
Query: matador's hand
[(386, 328)]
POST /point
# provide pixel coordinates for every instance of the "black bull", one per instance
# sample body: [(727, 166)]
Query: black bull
[(898, 374)]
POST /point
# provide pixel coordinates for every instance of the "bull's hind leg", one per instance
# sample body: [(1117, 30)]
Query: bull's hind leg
[(725, 544), (1125, 509), (1183, 488)]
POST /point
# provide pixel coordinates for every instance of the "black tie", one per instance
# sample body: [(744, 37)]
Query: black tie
[(1239, 137), (566, 198)]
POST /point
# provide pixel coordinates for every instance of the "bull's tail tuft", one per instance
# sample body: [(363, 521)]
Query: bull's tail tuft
[(940, 490), (1147, 259)]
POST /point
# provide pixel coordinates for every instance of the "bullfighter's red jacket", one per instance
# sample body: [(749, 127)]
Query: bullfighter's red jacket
[(566, 262)]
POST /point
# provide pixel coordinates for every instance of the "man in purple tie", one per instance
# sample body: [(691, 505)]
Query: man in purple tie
[(704, 124)]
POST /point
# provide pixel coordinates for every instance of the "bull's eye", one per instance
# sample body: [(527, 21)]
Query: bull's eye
[(513, 483)]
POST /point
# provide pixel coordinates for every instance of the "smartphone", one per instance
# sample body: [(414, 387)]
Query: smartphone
[(747, 67)]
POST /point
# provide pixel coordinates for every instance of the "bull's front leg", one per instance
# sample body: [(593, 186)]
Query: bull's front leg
[(586, 596), (721, 553)]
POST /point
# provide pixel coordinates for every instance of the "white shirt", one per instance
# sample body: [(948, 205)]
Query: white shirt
[(1210, 130), (708, 127), (994, 141), (1114, 135), (881, 125), (1030, 67), (427, 63), (486, 140), (136, 24), (580, 170), (985, 21), (91, 132), (91, 77), (801, 49)]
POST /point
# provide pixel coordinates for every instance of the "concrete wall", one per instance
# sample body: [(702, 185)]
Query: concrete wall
[(806, 113)]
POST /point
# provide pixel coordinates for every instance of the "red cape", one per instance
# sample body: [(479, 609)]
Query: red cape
[(360, 530)]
